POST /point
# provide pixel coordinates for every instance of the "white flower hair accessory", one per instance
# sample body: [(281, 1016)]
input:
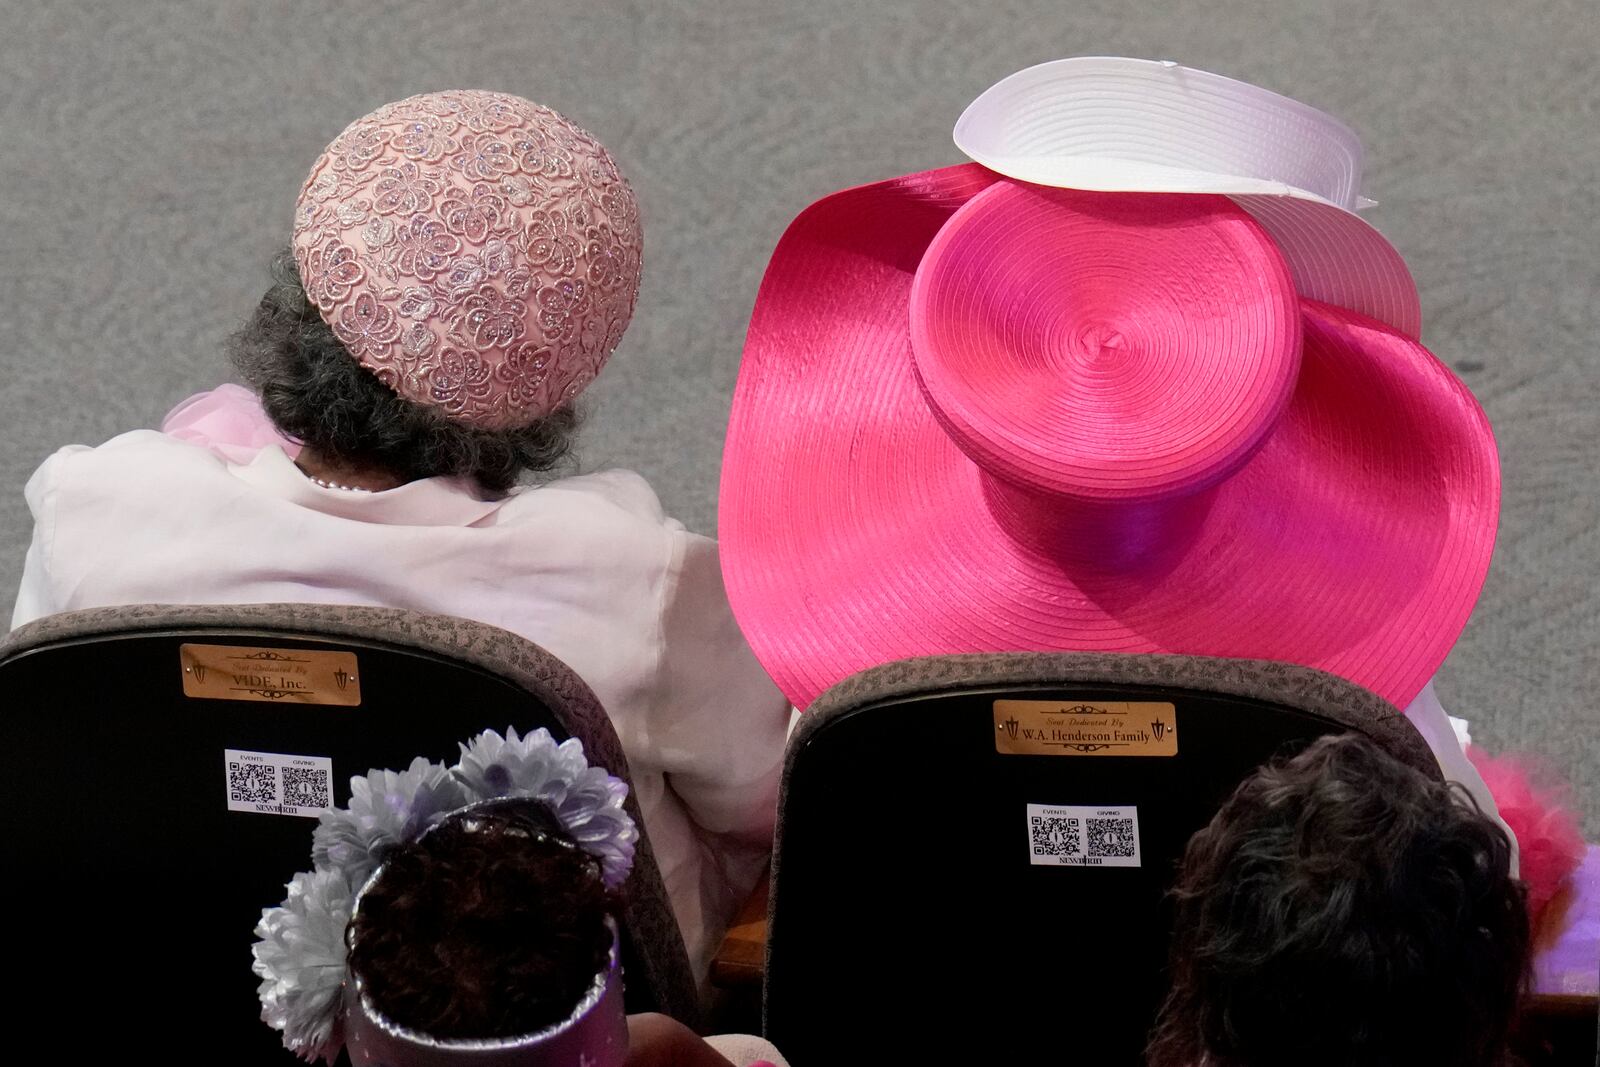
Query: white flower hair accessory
[(386, 809), (300, 956), (301, 962), (586, 800)]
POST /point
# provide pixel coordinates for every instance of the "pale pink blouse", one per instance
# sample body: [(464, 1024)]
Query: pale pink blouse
[(215, 511)]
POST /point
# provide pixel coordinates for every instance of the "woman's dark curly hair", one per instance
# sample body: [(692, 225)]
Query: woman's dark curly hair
[(315, 392), (1342, 909), (491, 925)]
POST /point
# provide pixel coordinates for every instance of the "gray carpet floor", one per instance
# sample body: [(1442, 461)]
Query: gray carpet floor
[(150, 153)]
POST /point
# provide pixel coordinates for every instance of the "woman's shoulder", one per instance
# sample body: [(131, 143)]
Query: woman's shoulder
[(129, 446), (623, 492), (126, 461), (226, 423)]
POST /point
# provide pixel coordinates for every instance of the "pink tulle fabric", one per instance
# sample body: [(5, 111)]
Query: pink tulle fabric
[(229, 421), (1548, 838)]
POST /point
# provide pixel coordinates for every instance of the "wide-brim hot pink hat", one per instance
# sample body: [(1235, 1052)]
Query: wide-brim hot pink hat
[(977, 414)]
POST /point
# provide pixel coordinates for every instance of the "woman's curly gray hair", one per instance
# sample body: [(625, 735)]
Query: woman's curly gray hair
[(316, 393)]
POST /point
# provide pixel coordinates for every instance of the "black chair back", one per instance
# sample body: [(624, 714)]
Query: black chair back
[(141, 843), (974, 852)]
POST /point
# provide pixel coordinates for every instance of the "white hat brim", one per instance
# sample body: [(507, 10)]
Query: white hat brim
[(1132, 125)]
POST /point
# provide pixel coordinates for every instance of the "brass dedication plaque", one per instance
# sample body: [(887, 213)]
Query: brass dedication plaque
[(291, 675), (1064, 728)]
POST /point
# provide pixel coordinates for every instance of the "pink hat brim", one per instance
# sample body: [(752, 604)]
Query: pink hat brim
[(855, 532)]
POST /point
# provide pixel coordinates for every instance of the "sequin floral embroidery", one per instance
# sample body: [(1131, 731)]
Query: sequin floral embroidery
[(328, 274), (477, 251), (366, 327), (405, 189)]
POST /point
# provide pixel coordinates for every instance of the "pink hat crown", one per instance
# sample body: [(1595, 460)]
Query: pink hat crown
[(1104, 348), (476, 251)]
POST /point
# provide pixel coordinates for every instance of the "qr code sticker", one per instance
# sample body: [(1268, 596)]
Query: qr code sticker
[(1083, 836), (252, 783), (307, 787), (1054, 836), (275, 783), (1110, 837)]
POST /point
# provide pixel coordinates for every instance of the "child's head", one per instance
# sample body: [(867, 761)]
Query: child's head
[(467, 903), (1342, 909), (491, 925)]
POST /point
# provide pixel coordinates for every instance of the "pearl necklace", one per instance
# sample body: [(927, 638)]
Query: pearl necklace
[(335, 485), (331, 485)]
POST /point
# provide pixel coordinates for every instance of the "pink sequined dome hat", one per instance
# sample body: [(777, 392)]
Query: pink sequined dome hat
[(476, 251), (976, 414)]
